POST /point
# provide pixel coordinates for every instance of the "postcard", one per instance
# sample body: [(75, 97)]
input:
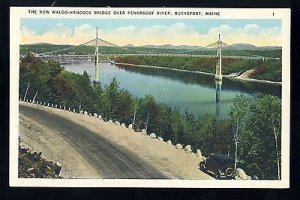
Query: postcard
[(149, 97)]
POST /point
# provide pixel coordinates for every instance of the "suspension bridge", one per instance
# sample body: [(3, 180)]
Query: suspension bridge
[(67, 55)]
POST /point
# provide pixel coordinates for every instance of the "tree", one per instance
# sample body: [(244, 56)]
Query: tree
[(222, 140), (238, 115), (266, 122), (125, 108), (206, 130), (175, 125), (259, 139), (111, 95), (135, 105)]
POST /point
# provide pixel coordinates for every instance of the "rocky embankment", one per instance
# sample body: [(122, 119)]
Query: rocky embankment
[(32, 165)]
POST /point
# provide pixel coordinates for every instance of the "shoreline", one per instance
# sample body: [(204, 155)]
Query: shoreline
[(205, 73)]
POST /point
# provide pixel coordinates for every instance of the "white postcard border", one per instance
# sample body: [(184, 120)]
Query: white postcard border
[(16, 13)]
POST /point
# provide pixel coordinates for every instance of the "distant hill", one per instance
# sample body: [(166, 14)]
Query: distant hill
[(237, 46), (270, 47), (129, 45), (40, 43), (241, 46), (246, 46), (170, 46)]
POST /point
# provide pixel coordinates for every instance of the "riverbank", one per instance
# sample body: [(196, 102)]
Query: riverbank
[(234, 77), (254, 80), (165, 68)]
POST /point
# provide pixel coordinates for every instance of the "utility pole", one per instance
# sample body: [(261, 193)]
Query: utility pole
[(26, 92)]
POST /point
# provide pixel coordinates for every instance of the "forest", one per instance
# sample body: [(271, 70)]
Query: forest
[(90, 49), (270, 70), (263, 70), (253, 130)]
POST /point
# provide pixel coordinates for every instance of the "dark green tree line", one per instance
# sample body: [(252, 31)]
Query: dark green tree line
[(264, 70)]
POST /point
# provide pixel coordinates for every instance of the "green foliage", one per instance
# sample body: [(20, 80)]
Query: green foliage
[(222, 140), (270, 70), (239, 110), (257, 148), (238, 115), (264, 70), (117, 104), (90, 49), (38, 74), (257, 120), (76, 91)]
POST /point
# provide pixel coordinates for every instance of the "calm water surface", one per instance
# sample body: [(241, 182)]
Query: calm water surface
[(190, 92)]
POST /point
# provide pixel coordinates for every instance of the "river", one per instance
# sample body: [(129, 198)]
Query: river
[(195, 93)]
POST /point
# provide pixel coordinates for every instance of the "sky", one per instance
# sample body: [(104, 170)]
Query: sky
[(199, 32)]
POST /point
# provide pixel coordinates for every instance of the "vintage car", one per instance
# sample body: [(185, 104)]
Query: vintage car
[(219, 166)]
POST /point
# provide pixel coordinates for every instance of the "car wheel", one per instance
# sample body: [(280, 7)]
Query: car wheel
[(202, 167), (229, 172)]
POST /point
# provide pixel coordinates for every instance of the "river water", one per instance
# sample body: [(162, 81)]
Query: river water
[(195, 93)]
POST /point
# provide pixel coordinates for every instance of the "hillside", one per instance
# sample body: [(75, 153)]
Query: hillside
[(232, 50)]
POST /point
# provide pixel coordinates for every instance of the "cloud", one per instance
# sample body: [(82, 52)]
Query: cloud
[(83, 30), (26, 31), (250, 33), (251, 28), (221, 29), (60, 24), (60, 34), (176, 34), (60, 31)]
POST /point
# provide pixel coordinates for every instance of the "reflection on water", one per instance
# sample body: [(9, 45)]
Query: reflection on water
[(209, 80), (218, 84), (196, 93)]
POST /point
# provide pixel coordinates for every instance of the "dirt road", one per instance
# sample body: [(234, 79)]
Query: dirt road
[(109, 160), (89, 147)]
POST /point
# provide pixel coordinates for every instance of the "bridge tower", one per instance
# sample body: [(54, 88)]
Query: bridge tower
[(218, 81), (97, 66), (218, 75)]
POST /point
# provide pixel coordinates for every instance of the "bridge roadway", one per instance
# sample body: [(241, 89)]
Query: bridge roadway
[(109, 160), (90, 57)]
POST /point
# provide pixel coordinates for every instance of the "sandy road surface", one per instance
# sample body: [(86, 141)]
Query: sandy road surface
[(89, 147), (109, 160)]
